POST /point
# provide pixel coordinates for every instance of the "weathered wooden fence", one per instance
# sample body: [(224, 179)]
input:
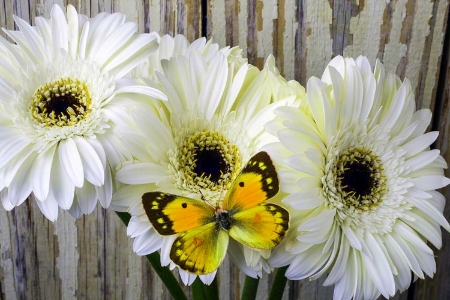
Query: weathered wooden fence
[(92, 258)]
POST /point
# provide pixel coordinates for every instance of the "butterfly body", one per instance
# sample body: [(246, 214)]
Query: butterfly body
[(204, 230)]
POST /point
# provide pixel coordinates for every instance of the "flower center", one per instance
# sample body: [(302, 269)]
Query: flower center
[(207, 160), (63, 102), (210, 163), (357, 181)]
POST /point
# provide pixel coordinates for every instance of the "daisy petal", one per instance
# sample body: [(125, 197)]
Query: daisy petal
[(70, 161), (140, 173)]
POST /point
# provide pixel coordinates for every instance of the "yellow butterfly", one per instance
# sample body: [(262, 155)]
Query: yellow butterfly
[(204, 230)]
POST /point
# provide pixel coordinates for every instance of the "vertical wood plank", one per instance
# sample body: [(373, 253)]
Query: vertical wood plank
[(437, 288), (92, 257), (319, 47)]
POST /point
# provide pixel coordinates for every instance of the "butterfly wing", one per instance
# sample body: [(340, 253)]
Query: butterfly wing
[(200, 250), (257, 182), (261, 227), (171, 214)]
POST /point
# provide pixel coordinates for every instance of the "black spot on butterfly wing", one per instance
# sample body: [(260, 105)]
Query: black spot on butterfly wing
[(154, 204), (261, 163)]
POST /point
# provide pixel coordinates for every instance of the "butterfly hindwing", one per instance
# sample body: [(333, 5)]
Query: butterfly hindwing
[(204, 231), (171, 214), (200, 250), (257, 182), (261, 227)]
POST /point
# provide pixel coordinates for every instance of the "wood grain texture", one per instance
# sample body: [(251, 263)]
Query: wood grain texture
[(92, 258)]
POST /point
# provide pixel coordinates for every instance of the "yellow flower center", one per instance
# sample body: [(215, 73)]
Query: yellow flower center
[(359, 181), (209, 161), (63, 102)]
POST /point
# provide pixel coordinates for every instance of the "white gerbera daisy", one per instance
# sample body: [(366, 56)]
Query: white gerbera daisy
[(179, 45), (196, 143), (362, 180), (58, 82)]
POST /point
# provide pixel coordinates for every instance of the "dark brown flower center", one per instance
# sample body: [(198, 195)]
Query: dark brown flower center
[(63, 102)]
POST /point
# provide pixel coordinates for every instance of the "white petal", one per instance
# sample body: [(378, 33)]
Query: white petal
[(10, 148), (143, 90), (306, 263), (75, 210), (136, 50), (21, 185), (41, 173), (10, 170), (147, 243), (305, 199), (428, 183), (49, 207), (137, 228), (395, 110), (340, 265), (318, 228), (61, 186), (71, 162), (408, 234), (352, 238), (421, 160), (238, 81), (423, 227), (403, 279), (93, 168), (159, 137), (98, 147), (60, 29), (31, 36), (420, 143), (128, 196), (208, 279), (303, 164), (213, 87), (73, 28), (104, 192), (141, 173), (353, 93), (186, 277), (113, 42), (86, 197), (379, 270)]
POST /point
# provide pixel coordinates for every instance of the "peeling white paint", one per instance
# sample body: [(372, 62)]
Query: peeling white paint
[(318, 44), (67, 261), (6, 255), (243, 26), (431, 80), (289, 39), (420, 31), (155, 16), (134, 278), (394, 51), (218, 26), (265, 36), (366, 28)]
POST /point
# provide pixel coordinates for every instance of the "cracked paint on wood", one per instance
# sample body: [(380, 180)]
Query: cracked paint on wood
[(92, 257)]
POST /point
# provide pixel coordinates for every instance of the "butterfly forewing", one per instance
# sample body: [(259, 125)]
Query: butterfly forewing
[(200, 250), (171, 214), (260, 227), (257, 182)]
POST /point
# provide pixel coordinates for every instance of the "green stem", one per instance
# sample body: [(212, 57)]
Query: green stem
[(278, 284), (250, 288), (201, 291), (211, 291), (197, 290), (163, 272)]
